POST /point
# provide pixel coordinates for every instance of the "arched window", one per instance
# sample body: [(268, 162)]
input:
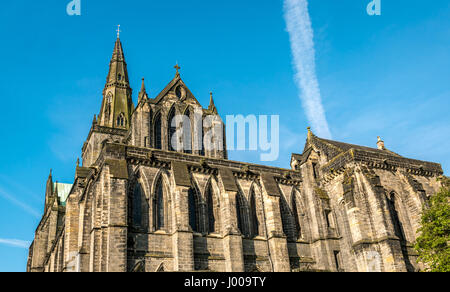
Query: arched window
[(201, 141), (178, 92), (298, 228), (157, 132), (121, 120), (193, 210), (158, 206), (138, 202), (108, 107), (210, 207), (253, 215), (172, 130), (187, 133), (398, 227), (242, 214), (287, 220)]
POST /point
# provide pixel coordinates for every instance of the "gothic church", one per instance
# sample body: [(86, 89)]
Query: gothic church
[(139, 205)]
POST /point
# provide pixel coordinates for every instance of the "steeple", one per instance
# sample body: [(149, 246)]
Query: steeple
[(117, 104)]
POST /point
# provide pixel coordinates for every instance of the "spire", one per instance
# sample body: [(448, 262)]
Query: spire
[(143, 92), (117, 104), (48, 190), (143, 85), (212, 106)]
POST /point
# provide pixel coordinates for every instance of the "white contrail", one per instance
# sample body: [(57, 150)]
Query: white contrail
[(302, 46), (15, 243), (18, 203)]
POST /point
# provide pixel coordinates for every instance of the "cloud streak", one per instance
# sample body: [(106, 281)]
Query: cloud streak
[(15, 243), (20, 204), (302, 45)]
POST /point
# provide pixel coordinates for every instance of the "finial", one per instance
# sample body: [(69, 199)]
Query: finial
[(78, 161), (380, 144), (143, 85), (177, 68), (310, 134), (118, 31)]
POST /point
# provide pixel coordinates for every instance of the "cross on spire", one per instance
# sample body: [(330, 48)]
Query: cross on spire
[(177, 68), (118, 31)]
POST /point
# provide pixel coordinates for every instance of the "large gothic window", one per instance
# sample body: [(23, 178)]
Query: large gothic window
[(253, 215), (158, 206), (201, 141), (157, 132), (187, 133), (194, 213), (172, 130)]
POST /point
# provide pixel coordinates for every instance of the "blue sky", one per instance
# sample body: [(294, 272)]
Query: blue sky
[(382, 75)]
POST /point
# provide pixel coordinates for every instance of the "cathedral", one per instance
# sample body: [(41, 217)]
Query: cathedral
[(140, 204)]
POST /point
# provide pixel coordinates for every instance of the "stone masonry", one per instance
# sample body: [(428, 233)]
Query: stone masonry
[(137, 205)]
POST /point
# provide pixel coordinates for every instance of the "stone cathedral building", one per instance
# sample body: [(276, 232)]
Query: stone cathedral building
[(137, 204)]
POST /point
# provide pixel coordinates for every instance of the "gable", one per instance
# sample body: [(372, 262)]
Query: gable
[(177, 90)]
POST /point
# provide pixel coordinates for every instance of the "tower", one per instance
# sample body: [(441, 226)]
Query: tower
[(117, 105), (114, 119)]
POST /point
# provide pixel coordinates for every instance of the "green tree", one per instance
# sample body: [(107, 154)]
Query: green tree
[(433, 242)]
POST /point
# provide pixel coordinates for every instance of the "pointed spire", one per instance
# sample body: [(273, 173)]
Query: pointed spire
[(143, 85), (143, 92), (117, 101), (94, 121), (118, 54), (56, 189), (212, 106), (48, 190)]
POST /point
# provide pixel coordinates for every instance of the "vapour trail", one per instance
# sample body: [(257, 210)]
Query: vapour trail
[(302, 45)]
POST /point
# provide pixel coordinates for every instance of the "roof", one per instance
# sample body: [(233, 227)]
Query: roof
[(63, 191), (333, 149), (346, 146)]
